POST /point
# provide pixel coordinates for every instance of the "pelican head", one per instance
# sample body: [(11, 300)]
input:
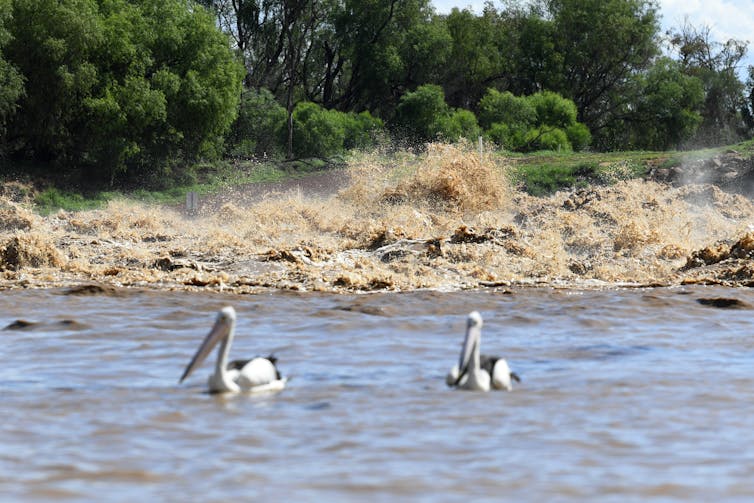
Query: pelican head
[(222, 330)]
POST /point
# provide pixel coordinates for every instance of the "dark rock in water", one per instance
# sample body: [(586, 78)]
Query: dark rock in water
[(33, 325), (93, 289), (724, 303), (20, 325)]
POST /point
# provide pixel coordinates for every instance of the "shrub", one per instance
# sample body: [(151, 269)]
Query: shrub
[(317, 132), (542, 121), (504, 108), (361, 129), (423, 113), (547, 138), (552, 109), (579, 136), (506, 136), (257, 130)]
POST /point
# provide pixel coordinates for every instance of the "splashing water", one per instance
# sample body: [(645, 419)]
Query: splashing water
[(446, 219)]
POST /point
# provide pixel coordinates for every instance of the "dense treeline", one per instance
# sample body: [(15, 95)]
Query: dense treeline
[(132, 89)]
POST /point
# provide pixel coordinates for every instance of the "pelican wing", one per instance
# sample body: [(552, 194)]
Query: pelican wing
[(258, 372)]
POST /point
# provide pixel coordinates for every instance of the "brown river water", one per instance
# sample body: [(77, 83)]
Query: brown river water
[(626, 395), (624, 307)]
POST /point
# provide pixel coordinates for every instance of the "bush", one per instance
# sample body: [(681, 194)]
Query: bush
[(579, 136), (547, 138), (361, 130), (506, 136), (552, 109), (465, 123), (257, 130), (317, 132), (542, 121), (423, 113), (504, 108)]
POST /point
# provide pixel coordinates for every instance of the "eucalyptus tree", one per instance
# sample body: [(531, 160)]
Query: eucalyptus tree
[(715, 64), (11, 81), (120, 88)]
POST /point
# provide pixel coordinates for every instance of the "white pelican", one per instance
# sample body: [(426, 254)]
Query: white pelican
[(475, 372), (254, 376)]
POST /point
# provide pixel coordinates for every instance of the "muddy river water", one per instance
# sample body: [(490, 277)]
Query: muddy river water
[(625, 307), (626, 395)]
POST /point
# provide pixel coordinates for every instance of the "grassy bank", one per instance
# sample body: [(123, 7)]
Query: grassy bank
[(539, 173)]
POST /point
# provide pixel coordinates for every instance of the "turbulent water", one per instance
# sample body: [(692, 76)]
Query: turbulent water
[(626, 395), (361, 287), (443, 220)]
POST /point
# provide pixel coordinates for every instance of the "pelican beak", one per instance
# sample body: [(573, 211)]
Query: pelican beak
[(473, 333), (219, 331)]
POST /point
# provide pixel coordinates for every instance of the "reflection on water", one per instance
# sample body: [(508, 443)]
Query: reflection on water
[(626, 395)]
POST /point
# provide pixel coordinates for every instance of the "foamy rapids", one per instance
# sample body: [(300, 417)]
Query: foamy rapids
[(445, 219)]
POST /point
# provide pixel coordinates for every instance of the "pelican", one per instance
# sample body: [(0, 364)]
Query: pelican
[(475, 372), (254, 376)]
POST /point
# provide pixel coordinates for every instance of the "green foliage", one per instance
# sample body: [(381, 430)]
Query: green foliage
[(601, 43), (552, 177), (419, 112), (423, 115), (505, 108), (121, 88), (547, 138), (318, 132), (552, 109), (668, 110), (542, 121), (509, 137), (11, 82), (475, 57), (259, 126), (361, 130), (578, 136), (463, 124)]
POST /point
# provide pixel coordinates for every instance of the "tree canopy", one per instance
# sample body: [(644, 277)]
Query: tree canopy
[(118, 87), (133, 90)]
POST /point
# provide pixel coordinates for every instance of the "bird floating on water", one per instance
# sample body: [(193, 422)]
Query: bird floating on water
[(253, 376), (479, 372)]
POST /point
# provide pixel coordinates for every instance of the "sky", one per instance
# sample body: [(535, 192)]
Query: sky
[(726, 18)]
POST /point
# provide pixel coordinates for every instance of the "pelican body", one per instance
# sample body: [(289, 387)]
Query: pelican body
[(254, 376), (478, 372)]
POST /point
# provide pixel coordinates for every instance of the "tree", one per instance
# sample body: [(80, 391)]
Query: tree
[(668, 109), (601, 44), (476, 60), (120, 88), (714, 64), (11, 81), (748, 108)]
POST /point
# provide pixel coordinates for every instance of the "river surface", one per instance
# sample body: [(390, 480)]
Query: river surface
[(626, 395)]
